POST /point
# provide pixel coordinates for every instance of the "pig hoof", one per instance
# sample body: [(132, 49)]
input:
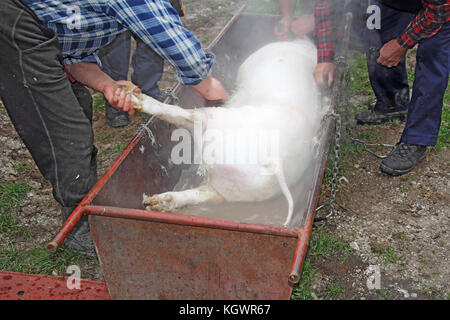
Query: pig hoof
[(161, 203)]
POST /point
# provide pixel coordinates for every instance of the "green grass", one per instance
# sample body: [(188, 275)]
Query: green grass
[(334, 290), (443, 141), (105, 138), (11, 194), (99, 103), (359, 77), (117, 148), (325, 246), (266, 7), (40, 260), (21, 166), (263, 6), (390, 256)]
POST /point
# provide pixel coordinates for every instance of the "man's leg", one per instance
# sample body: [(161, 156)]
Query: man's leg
[(115, 59), (390, 85), (425, 109), (51, 119), (148, 69), (430, 83)]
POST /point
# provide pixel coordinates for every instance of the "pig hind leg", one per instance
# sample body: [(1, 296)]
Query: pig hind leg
[(169, 201)]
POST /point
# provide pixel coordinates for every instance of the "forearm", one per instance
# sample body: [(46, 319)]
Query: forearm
[(287, 8), (90, 75), (426, 24)]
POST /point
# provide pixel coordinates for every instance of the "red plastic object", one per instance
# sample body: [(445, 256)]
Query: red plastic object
[(21, 286)]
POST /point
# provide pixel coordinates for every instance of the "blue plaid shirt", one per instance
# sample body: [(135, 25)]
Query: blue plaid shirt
[(83, 26)]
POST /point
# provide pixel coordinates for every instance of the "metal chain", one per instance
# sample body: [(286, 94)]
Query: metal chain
[(365, 145), (335, 170), (170, 93)]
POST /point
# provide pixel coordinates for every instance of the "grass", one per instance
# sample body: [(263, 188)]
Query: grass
[(116, 148), (325, 246), (266, 7), (40, 260), (11, 194), (99, 103), (334, 290), (390, 256), (21, 166), (443, 141), (359, 77), (35, 260)]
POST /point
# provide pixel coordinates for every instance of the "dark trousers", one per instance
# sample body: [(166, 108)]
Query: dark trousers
[(390, 85), (147, 64), (430, 77), (51, 115)]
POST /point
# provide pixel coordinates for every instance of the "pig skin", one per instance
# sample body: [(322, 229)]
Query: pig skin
[(275, 93)]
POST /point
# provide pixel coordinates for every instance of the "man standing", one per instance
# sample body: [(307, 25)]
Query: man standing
[(52, 111), (428, 28), (404, 24)]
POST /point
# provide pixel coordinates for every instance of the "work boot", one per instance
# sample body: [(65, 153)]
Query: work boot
[(79, 239), (372, 116), (116, 118), (403, 158)]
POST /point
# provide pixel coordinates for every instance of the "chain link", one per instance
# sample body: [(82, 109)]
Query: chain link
[(335, 170)]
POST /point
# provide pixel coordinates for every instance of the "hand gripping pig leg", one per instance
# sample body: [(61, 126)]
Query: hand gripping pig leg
[(181, 118), (169, 201)]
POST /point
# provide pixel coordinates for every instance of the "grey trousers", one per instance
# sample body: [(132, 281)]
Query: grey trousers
[(51, 115)]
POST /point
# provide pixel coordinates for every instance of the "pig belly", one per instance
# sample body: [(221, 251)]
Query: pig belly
[(243, 183)]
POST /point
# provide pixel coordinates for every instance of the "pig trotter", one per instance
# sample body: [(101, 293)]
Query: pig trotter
[(160, 202)]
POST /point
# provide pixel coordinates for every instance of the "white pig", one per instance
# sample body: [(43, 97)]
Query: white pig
[(276, 98)]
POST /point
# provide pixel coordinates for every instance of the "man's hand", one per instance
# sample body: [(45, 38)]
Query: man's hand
[(391, 54), (211, 89), (281, 30), (303, 25), (324, 73), (117, 97), (91, 75)]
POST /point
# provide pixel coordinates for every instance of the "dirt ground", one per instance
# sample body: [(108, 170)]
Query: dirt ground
[(397, 225)]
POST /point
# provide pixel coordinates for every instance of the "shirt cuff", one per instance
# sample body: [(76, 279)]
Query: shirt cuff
[(406, 41), (93, 58), (197, 74)]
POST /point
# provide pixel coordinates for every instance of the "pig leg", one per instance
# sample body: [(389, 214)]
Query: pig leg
[(169, 201), (181, 118)]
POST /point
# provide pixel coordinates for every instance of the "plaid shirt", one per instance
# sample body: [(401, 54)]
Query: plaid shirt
[(325, 33), (83, 26), (427, 22)]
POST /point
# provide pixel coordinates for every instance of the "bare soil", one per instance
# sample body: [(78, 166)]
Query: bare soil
[(398, 224)]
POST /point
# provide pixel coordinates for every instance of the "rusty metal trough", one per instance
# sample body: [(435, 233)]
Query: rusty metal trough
[(153, 255)]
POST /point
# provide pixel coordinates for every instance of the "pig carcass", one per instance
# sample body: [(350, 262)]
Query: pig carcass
[(275, 99)]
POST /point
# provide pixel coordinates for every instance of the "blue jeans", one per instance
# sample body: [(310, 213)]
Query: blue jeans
[(430, 82), (147, 64)]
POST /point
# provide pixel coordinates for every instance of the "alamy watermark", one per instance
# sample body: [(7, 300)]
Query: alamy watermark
[(74, 280), (227, 146), (374, 19), (374, 277), (73, 20)]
